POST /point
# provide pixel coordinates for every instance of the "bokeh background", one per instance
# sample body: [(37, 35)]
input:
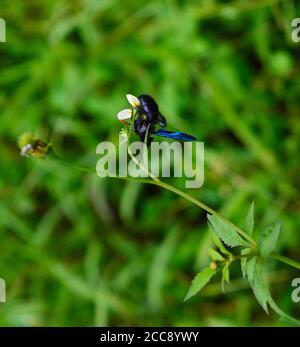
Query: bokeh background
[(77, 250)]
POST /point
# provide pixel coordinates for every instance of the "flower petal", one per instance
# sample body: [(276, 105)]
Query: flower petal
[(133, 100), (124, 114), (27, 148)]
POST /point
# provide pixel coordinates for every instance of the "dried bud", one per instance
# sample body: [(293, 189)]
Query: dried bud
[(32, 147)]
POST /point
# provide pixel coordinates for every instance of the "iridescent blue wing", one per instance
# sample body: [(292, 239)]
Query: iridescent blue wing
[(175, 135)]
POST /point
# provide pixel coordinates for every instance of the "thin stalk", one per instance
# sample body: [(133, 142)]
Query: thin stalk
[(286, 260), (206, 208), (147, 172), (177, 191), (196, 202), (156, 181), (86, 169)]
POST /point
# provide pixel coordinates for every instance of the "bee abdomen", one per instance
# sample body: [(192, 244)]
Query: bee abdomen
[(149, 105)]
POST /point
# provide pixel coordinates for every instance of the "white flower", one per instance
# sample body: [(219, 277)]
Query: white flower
[(124, 114), (127, 113), (27, 148), (133, 100)]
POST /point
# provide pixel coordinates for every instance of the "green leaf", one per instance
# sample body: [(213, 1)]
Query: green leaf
[(70, 280), (268, 239), (243, 266), (244, 260), (226, 233), (250, 220), (257, 282), (261, 290), (225, 275), (260, 287), (201, 279), (219, 244), (216, 256), (250, 269)]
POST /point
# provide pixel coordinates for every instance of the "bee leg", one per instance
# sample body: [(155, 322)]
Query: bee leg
[(162, 120)]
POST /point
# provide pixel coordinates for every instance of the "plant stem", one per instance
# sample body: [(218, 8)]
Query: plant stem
[(206, 208), (196, 202), (86, 169), (156, 181), (177, 191), (285, 260)]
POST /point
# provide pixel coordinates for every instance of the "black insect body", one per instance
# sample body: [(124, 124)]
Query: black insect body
[(151, 110), (149, 117)]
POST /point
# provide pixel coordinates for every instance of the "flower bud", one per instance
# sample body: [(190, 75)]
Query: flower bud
[(32, 147), (213, 265)]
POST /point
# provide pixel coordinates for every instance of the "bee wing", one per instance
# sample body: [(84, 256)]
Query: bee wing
[(175, 135)]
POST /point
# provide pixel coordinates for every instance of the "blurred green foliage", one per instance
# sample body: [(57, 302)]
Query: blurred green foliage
[(79, 250)]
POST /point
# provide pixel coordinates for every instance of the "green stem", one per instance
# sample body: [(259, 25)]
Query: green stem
[(134, 114), (177, 191), (156, 181), (86, 169), (149, 173), (146, 136), (196, 202), (285, 260), (73, 166), (206, 208)]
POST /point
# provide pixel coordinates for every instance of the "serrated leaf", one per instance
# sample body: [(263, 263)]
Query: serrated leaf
[(229, 236), (261, 290), (257, 282), (268, 239), (219, 244), (250, 220), (201, 279), (216, 256)]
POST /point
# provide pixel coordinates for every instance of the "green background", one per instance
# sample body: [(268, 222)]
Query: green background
[(77, 250)]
